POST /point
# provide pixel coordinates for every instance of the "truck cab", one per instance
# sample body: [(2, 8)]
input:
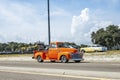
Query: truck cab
[(58, 51)]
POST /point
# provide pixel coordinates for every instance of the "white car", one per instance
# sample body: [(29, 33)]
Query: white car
[(94, 48)]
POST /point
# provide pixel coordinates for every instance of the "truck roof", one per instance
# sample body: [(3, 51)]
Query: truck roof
[(56, 42)]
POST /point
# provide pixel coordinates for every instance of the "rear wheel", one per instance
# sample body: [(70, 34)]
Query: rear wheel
[(39, 59), (64, 59), (96, 50)]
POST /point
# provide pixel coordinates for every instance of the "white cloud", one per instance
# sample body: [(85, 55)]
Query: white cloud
[(83, 25), (21, 22), (27, 23), (77, 21), (59, 12)]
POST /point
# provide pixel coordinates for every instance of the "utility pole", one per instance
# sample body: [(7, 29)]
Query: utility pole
[(49, 36)]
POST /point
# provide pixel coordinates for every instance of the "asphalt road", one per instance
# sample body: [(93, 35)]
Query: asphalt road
[(89, 66), (98, 68), (22, 76)]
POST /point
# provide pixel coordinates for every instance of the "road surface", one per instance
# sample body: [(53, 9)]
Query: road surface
[(22, 76), (89, 66), (59, 71)]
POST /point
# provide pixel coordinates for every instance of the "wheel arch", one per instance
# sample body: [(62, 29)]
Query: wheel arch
[(40, 54), (67, 54)]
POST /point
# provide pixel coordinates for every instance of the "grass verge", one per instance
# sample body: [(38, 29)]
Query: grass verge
[(110, 52)]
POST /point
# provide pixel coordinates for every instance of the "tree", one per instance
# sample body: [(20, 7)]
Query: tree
[(108, 37), (13, 45), (3, 46)]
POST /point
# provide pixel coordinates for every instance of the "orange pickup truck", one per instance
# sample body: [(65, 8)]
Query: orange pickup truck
[(58, 51)]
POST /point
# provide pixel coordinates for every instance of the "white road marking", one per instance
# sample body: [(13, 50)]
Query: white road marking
[(57, 75), (93, 75)]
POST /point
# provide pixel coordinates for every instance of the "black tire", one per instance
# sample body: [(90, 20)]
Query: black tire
[(39, 59), (77, 61), (64, 59), (96, 51), (83, 51)]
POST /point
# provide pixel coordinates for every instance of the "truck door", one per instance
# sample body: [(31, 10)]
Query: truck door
[(53, 51)]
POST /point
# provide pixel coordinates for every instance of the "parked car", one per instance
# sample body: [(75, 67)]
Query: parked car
[(94, 48)]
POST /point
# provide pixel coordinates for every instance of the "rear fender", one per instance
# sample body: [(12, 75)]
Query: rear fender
[(40, 54)]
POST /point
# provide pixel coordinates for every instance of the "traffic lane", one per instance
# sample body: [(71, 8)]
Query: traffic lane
[(64, 72), (30, 76), (90, 66)]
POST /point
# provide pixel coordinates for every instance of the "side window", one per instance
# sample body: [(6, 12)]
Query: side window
[(60, 45), (53, 46)]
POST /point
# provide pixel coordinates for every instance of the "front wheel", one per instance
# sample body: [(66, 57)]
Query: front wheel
[(39, 59), (83, 51), (64, 59)]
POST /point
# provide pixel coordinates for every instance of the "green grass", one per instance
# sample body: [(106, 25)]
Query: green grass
[(111, 52)]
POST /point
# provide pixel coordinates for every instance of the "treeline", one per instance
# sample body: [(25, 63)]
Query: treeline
[(15, 47), (108, 37)]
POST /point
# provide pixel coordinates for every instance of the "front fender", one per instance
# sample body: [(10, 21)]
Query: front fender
[(67, 54)]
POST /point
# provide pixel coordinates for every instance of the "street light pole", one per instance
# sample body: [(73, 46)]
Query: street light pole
[(49, 36)]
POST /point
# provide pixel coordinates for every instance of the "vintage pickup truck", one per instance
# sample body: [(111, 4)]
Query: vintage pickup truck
[(58, 51)]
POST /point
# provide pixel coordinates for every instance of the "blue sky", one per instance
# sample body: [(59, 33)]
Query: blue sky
[(71, 20)]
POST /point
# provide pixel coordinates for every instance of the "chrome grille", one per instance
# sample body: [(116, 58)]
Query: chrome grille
[(75, 56)]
